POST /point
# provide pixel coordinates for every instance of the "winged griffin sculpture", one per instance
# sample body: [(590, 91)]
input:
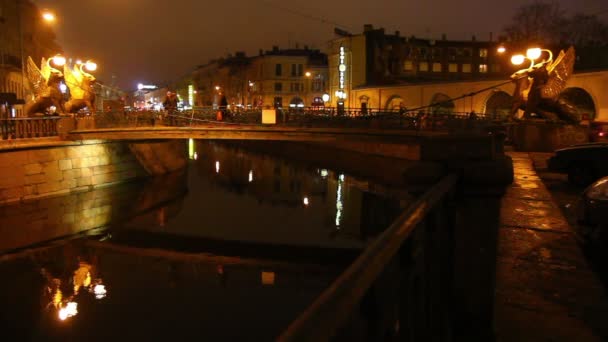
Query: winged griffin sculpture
[(537, 89), (45, 83), (81, 85)]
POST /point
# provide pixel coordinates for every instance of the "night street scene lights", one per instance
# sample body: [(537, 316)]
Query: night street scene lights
[(48, 16)]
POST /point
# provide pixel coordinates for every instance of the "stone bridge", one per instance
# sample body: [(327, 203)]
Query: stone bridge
[(589, 92)]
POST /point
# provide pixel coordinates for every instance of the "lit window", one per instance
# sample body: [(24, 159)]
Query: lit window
[(483, 52), (483, 68), (453, 67), (408, 66), (436, 67), (423, 66), (466, 68)]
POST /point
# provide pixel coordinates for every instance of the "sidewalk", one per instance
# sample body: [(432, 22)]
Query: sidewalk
[(545, 290)]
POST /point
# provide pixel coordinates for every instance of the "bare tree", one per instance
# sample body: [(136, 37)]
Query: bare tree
[(537, 22), (547, 23)]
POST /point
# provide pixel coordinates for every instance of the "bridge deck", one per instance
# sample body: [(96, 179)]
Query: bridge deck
[(545, 289)]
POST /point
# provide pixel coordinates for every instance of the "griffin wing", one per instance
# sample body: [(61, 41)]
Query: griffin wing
[(559, 72), (73, 79), (36, 77)]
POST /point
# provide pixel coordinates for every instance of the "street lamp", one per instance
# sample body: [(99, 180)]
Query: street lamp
[(47, 16), (532, 55)]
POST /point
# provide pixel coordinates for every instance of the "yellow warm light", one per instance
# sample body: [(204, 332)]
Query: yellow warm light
[(90, 66), (70, 310), (48, 16), (501, 49), (518, 59), (533, 53), (58, 60), (308, 74), (306, 201), (268, 278)]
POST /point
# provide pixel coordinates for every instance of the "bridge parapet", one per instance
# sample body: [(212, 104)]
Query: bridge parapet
[(430, 276)]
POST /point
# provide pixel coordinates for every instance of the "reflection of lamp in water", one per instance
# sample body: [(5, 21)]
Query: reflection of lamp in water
[(100, 291), (339, 204), (70, 310)]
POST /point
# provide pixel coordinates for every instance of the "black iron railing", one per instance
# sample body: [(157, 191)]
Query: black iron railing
[(398, 288), (23, 128)]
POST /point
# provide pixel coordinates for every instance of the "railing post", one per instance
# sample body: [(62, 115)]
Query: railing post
[(484, 174)]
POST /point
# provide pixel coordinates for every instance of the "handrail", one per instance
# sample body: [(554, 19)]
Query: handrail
[(30, 127), (329, 312)]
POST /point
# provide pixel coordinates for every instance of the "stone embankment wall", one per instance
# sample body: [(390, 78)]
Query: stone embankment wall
[(30, 173)]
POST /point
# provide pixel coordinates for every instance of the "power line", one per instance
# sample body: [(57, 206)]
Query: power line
[(305, 15)]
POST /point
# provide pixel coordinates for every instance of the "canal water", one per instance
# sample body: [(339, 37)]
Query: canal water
[(233, 248)]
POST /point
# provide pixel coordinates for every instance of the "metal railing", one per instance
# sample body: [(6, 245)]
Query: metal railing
[(23, 128), (398, 288), (347, 118)]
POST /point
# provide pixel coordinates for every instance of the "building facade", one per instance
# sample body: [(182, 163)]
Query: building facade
[(23, 33), (376, 59), (277, 79)]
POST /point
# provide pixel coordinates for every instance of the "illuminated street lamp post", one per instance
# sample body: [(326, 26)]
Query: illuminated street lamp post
[(48, 17)]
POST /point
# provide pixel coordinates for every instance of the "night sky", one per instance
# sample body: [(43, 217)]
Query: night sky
[(156, 42)]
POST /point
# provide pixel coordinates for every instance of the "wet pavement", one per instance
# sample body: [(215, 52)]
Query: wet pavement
[(545, 288)]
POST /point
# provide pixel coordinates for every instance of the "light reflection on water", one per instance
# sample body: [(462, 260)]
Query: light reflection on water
[(209, 273)]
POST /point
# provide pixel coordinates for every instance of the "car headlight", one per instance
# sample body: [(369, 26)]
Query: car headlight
[(598, 190)]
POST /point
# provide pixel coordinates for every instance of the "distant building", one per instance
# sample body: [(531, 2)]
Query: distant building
[(276, 78), (21, 28), (374, 59)]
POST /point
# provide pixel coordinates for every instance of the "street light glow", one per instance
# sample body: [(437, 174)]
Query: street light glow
[(48, 16), (58, 60), (501, 49), (533, 53), (90, 66), (518, 59), (308, 74)]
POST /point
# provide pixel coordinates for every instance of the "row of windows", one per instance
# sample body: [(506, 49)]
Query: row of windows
[(317, 86), (296, 70), (452, 67), (452, 52)]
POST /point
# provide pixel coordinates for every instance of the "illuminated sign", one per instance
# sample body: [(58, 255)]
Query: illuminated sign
[(191, 95), (146, 87), (342, 67)]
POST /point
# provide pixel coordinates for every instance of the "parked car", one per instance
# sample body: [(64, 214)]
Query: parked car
[(584, 163), (593, 212)]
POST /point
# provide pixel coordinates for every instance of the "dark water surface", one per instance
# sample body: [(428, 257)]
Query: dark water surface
[(232, 249)]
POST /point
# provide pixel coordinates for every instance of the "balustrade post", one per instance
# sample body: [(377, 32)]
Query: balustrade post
[(484, 173)]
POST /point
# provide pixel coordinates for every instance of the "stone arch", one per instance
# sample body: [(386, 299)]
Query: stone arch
[(498, 105), (394, 102), (580, 99), (442, 104)]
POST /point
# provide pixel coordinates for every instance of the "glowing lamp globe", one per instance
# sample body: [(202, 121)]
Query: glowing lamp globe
[(518, 59), (58, 60), (533, 53), (90, 66)]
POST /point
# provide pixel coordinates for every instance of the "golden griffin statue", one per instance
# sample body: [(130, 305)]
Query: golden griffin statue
[(81, 85), (538, 87), (46, 87)]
